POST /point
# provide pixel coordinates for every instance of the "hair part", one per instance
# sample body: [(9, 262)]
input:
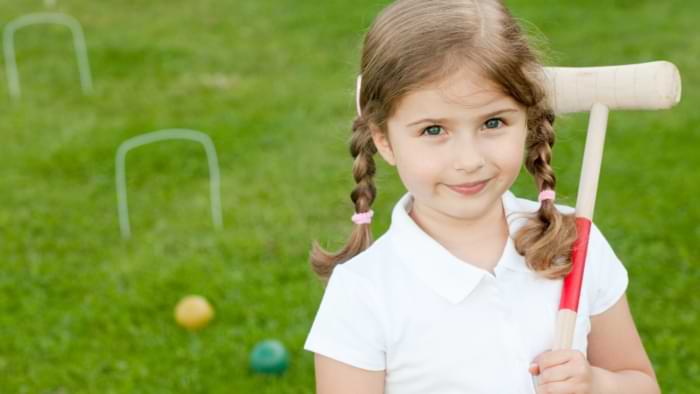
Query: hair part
[(414, 43)]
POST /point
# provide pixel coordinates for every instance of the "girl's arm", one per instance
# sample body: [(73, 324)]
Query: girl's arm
[(616, 353), (334, 377)]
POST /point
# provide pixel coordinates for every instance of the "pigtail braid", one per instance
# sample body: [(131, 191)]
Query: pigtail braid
[(547, 237), (362, 150)]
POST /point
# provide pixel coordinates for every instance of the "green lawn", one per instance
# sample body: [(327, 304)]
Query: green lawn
[(271, 81)]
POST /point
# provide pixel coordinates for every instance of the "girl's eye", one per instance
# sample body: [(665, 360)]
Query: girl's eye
[(491, 122), (432, 130)]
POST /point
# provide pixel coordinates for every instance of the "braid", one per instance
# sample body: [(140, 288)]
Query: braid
[(362, 149), (539, 150), (546, 239)]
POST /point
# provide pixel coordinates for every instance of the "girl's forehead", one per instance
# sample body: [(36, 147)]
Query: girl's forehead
[(466, 88), (453, 95)]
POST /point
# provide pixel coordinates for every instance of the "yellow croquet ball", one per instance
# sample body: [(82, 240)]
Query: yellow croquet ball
[(193, 312)]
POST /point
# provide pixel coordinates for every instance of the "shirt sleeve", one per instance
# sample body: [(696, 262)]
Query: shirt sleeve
[(610, 274), (348, 325)]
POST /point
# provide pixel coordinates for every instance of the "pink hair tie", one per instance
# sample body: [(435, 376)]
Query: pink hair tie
[(363, 218), (357, 95), (546, 195)]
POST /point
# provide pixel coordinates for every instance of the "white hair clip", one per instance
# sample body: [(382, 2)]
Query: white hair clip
[(357, 95)]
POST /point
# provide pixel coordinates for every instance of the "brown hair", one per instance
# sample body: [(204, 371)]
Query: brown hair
[(413, 43)]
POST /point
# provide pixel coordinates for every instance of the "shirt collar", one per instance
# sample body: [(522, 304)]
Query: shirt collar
[(444, 273)]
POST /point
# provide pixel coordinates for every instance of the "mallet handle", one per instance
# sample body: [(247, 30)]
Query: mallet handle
[(585, 204)]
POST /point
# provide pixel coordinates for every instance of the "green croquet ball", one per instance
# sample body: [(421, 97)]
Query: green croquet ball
[(269, 357)]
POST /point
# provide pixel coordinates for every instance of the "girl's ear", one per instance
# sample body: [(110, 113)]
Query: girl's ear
[(381, 141)]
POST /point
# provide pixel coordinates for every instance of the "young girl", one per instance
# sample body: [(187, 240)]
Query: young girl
[(461, 293)]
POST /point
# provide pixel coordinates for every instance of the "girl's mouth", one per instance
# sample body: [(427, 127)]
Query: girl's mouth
[(468, 189)]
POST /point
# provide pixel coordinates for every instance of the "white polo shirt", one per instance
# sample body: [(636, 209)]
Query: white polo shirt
[(438, 324)]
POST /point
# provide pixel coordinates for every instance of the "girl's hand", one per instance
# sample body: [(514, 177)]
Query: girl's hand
[(562, 372)]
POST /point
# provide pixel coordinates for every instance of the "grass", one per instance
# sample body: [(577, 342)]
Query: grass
[(271, 82)]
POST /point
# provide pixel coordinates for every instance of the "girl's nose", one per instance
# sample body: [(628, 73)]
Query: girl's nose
[(467, 155)]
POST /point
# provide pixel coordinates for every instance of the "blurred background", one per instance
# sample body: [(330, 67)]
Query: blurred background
[(83, 310)]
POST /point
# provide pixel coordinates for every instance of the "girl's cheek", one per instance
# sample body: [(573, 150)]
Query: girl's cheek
[(424, 169), (507, 150)]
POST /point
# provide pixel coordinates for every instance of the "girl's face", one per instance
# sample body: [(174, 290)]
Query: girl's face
[(460, 130)]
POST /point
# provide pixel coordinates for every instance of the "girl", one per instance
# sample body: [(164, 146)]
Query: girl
[(460, 294)]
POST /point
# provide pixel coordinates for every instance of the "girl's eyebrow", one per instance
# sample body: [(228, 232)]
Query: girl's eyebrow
[(445, 120)]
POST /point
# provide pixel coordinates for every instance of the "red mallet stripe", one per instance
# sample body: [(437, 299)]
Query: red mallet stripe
[(571, 290)]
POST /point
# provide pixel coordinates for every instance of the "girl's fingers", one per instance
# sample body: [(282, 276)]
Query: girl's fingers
[(554, 357), (557, 373), (555, 388)]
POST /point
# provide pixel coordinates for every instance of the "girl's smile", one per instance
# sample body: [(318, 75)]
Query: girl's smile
[(469, 189)]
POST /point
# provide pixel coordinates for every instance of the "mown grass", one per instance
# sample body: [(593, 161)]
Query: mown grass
[(271, 82)]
